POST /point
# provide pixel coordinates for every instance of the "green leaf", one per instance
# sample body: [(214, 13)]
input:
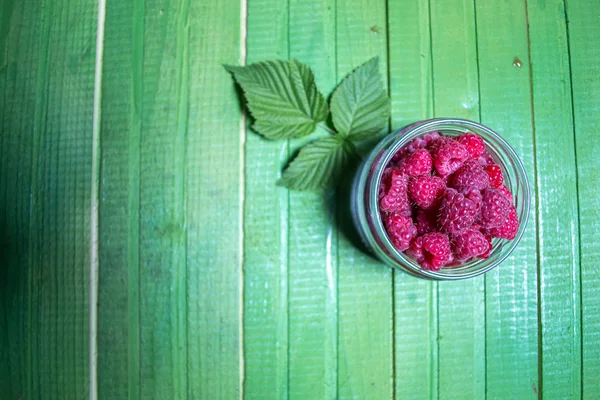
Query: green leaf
[(283, 98), (318, 164), (360, 106)]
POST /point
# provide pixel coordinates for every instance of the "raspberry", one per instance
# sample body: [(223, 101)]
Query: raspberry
[(448, 155), (416, 144), (418, 163), (494, 208), (425, 221), (475, 196), (431, 250), (470, 175), (509, 227), (495, 173), (393, 192), (425, 191), (485, 255), (469, 244), (486, 160), (506, 192), (474, 144), (457, 213), (401, 230)]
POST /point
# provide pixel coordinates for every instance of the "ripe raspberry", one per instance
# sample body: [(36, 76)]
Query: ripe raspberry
[(494, 208), (470, 175), (485, 255), (425, 191), (393, 192), (400, 229), (448, 155), (495, 173), (419, 143), (509, 228), (475, 196), (471, 243), (425, 221), (417, 163), (486, 160), (432, 251), (474, 144), (457, 213), (506, 192)]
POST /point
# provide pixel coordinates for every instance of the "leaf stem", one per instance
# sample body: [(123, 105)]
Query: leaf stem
[(328, 129)]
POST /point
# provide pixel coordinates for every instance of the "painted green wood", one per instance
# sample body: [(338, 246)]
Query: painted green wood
[(365, 337), (312, 246), (461, 312), (583, 35), (510, 290), (557, 211), (47, 70), (415, 300), (265, 228), (177, 331), (118, 291), (20, 23)]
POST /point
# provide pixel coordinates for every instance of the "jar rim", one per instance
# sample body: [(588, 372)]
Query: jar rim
[(379, 159)]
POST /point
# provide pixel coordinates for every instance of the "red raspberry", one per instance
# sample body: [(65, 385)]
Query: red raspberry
[(485, 255), (418, 163), (471, 243), (475, 196), (509, 228), (419, 143), (495, 173), (432, 251), (393, 192), (400, 229), (494, 208), (470, 175), (506, 192), (425, 221), (448, 155), (425, 191), (486, 159), (457, 213), (474, 144)]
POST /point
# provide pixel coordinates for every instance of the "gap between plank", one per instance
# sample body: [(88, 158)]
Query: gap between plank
[(242, 189), (94, 260)]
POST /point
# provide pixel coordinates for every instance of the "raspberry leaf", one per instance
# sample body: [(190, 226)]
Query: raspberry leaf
[(318, 164), (282, 96), (360, 106)]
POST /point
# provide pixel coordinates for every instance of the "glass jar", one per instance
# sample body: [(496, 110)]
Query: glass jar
[(364, 197)]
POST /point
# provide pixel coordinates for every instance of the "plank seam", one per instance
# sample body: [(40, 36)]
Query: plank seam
[(540, 386), (242, 201), (95, 178), (580, 250)]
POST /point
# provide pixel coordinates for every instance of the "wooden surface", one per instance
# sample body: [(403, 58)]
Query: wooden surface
[(216, 284)]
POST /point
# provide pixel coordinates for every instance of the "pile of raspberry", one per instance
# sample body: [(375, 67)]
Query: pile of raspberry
[(442, 200)]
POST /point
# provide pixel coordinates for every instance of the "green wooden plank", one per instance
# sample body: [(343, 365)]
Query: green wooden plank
[(19, 51), (461, 319), (312, 242), (214, 190), (415, 300), (265, 228), (557, 202), (48, 69), (584, 36), (162, 201), (511, 289), (365, 366), (118, 292)]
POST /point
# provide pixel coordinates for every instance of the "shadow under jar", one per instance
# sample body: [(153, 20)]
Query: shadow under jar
[(365, 208)]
